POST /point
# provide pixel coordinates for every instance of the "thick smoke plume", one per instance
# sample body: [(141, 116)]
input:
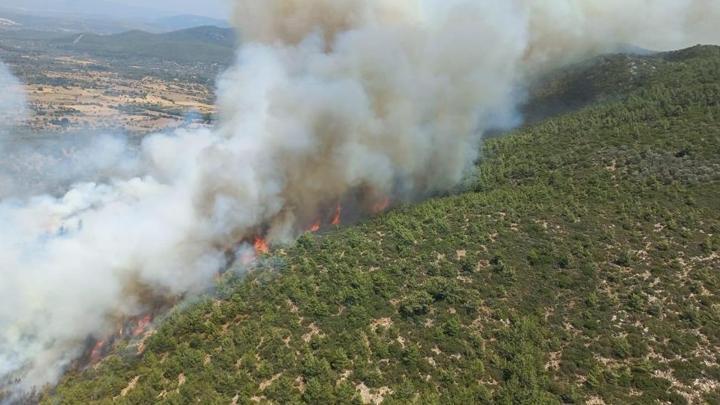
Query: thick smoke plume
[(330, 102)]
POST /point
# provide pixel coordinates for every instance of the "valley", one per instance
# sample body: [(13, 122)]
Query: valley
[(91, 83)]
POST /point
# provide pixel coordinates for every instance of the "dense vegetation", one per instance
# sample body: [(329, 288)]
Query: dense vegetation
[(581, 266), (193, 45), (194, 55)]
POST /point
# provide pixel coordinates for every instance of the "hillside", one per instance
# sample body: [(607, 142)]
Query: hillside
[(63, 23), (180, 22), (206, 44), (581, 265)]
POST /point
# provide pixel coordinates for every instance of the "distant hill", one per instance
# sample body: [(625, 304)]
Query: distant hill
[(181, 22), (207, 44), (62, 25), (580, 266), (115, 18), (83, 8), (70, 23)]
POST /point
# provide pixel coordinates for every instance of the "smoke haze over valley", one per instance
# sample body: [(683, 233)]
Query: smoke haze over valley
[(331, 106)]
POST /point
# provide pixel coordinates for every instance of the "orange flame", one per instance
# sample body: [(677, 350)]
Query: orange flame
[(314, 227), (142, 325), (338, 214), (381, 206), (97, 351), (261, 245)]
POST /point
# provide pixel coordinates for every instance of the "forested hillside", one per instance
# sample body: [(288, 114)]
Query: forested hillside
[(580, 266), (193, 45)]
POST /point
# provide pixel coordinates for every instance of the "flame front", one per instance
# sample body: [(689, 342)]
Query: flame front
[(381, 205), (315, 227), (96, 354), (142, 325), (261, 245), (338, 215)]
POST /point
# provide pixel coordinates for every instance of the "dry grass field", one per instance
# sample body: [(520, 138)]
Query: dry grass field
[(70, 90)]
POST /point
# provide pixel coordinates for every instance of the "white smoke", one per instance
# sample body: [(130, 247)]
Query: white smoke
[(12, 106), (12, 112), (330, 101), (12, 102)]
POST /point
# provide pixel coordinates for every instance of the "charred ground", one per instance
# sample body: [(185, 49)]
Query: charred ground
[(580, 266)]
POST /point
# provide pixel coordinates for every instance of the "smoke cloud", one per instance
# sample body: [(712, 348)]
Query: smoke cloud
[(12, 112), (12, 104), (330, 101)]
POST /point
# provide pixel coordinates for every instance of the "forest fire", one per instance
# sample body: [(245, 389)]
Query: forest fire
[(97, 352), (261, 245), (315, 227), (130, 329), (337, 216), (142, 325), (136, 327), (381, 205)]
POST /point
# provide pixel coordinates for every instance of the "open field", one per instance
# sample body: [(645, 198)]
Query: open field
[(87, 89)]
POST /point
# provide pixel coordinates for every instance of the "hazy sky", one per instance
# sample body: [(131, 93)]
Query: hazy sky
[(209, 8)]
